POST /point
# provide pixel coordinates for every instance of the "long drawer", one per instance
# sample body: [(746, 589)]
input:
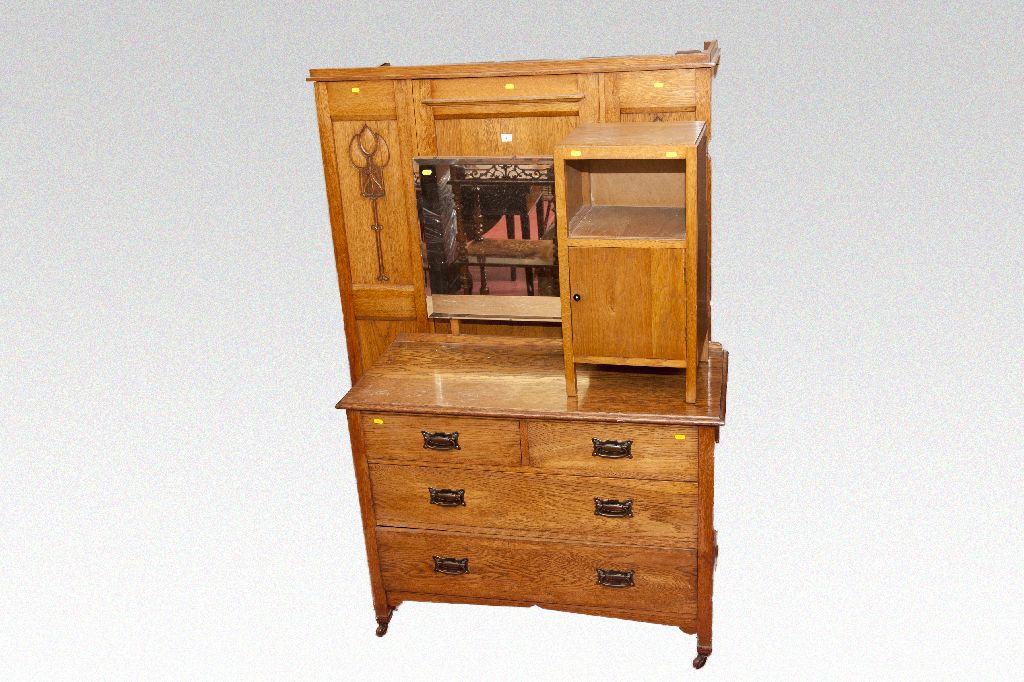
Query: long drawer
[(574, 507), (611, 449), (541, 571), (432, 439)]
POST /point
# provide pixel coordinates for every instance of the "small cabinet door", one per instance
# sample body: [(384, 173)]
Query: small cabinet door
[(628, 305)]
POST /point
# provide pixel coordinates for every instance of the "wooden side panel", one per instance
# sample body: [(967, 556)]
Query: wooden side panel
[(380, 604), (376, 335), (638, 312), (655, 451), (707, 542), (539, 571), (536, 504), (703, 255), (399, 437), (334, 204)]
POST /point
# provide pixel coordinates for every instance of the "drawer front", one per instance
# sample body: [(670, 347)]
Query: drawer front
[(541, 571), (499, 88), (672, 90), (632, 511), (449, 440), (609, 449)]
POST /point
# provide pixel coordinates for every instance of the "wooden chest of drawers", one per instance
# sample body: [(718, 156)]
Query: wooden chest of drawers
[(481, 482)]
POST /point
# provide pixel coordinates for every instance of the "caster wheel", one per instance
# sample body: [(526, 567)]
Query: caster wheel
[(382, 629), (699, 662)]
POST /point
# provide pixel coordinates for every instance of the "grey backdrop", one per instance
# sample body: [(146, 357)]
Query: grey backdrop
[(176, 491)]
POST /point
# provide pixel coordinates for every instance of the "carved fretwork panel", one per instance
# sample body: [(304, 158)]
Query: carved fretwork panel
[(374, 202)]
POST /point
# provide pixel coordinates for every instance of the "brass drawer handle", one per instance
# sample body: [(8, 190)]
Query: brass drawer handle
[(612, 578), (612, 449), (613, 509), (445, 497), (451, 566), (439, 440)]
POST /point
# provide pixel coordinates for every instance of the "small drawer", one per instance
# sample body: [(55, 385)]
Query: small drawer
[(539, 571), (610, 449), (360, 100), (642, 512), (440, 440), (672, 90), (504, 87)]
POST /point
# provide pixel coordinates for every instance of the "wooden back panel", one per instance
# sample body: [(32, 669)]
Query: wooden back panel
[(461, 109)]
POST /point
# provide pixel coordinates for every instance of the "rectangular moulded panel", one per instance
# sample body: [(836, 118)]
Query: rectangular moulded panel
[(638, 312)]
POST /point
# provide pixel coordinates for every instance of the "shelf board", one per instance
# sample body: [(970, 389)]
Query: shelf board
[(508, 308), (636, 223)]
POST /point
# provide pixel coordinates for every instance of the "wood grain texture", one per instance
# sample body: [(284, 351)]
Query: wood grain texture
[(707, 59), (503, 87), (631, 140), (361, 100), (490, 376), (374, 336), (707, 545), (384, 302), (656, 91), (684, 622), (648, 224), (661, 452), (539, 571), (337, 218), (636, 182), (635, 314), (380, 602), (395, 237), (399, 437), (537, 505)]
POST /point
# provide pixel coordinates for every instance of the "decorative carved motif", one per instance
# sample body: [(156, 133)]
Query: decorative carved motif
[(369, 153), (507, 171)]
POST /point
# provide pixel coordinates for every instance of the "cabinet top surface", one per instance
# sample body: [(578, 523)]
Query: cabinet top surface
[(635, 136), (694, 59), (525, 378)]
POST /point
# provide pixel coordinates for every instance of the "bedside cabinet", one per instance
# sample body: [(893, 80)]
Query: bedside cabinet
[(634, 246)]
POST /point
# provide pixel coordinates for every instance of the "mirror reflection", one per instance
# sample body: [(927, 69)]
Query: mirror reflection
[(487, 225)]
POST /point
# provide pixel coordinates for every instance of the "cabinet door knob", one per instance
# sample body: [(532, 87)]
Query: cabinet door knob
[(576, 297)]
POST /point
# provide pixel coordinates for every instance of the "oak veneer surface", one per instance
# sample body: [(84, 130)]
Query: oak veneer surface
[(535, 570), (537, 505), (646, 138), (628, 222), (525, 378)]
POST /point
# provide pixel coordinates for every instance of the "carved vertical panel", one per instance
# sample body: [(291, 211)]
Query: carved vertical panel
[(371, 183)]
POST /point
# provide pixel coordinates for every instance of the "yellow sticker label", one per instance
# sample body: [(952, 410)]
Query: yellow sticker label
[(378, 420), (575, 152), (671, 155), (355, 89), (680, 436), (510, 86), (426, 171), (659, 84)]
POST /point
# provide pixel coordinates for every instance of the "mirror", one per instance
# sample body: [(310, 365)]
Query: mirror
[(487, 229)]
